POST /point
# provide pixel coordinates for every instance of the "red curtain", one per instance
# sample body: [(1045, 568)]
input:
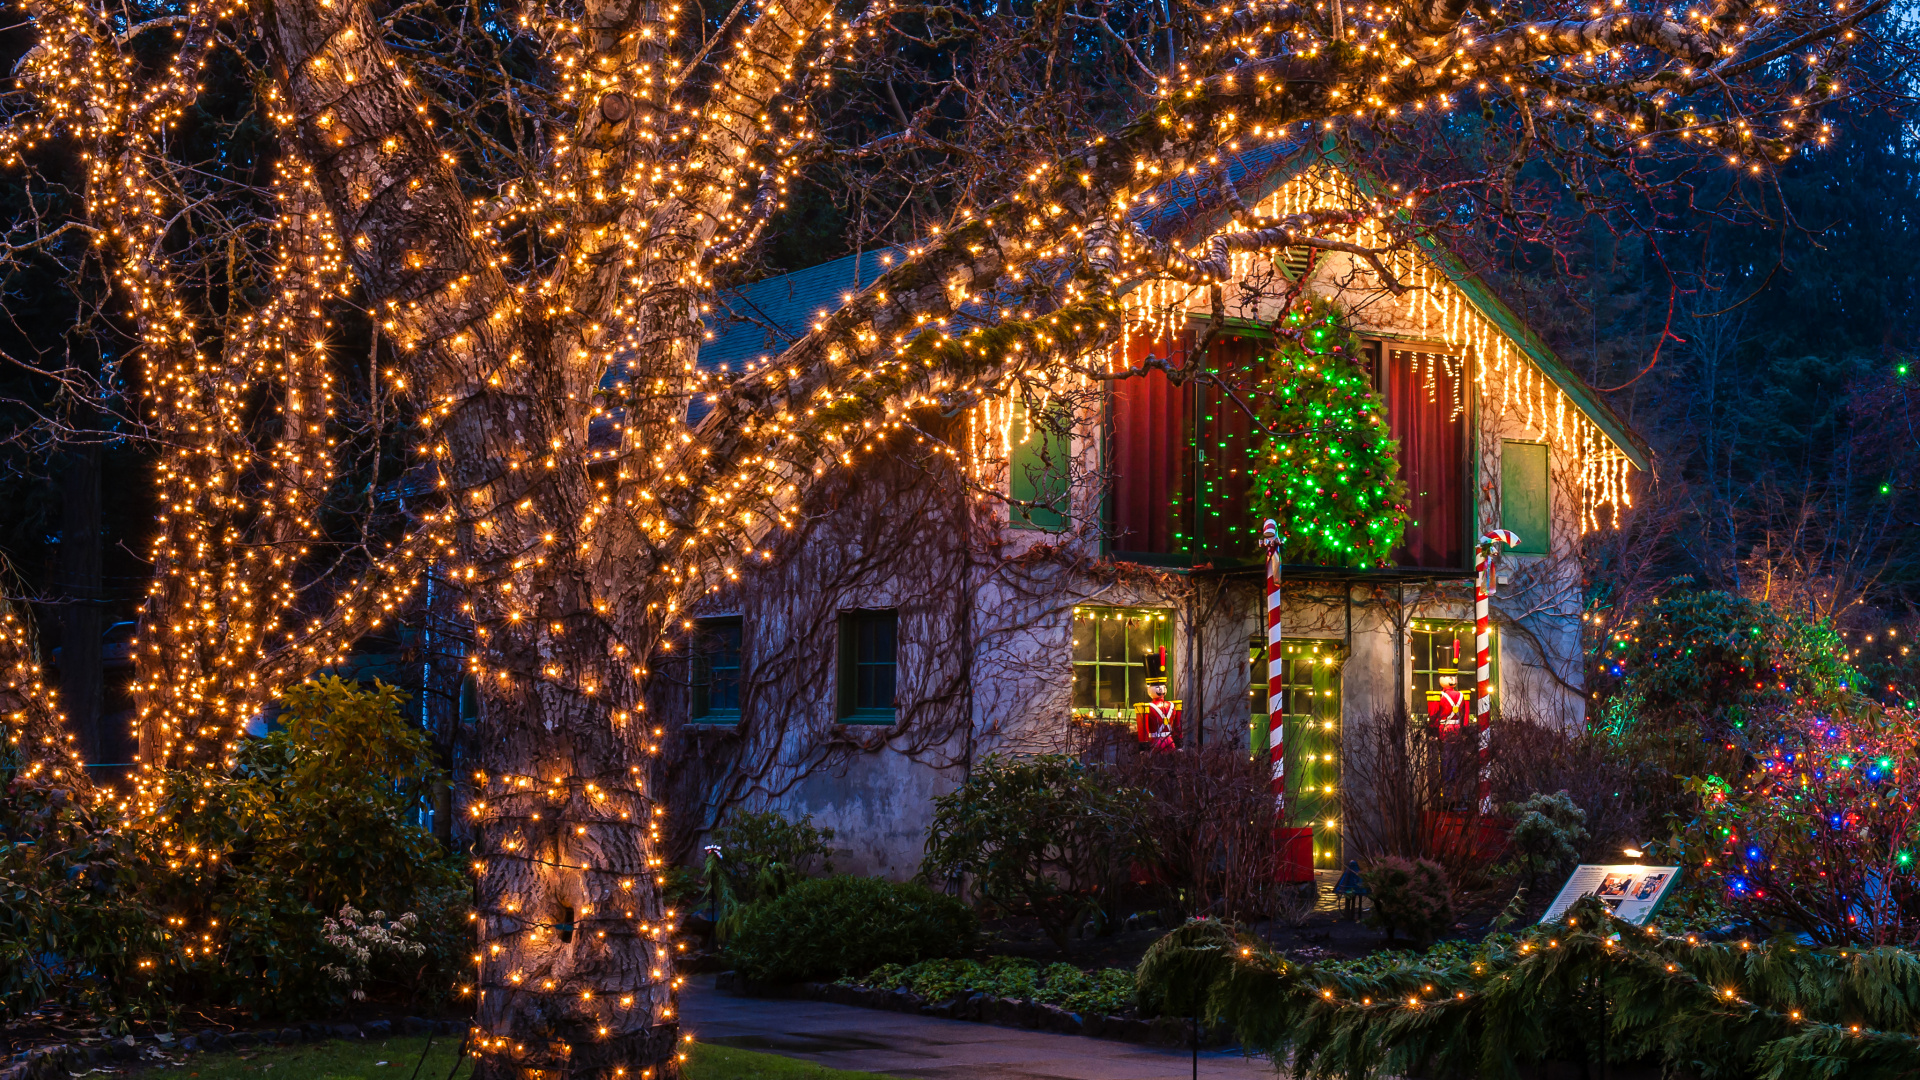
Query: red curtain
[(1227, 525), (1151, 458), (1423, 412)]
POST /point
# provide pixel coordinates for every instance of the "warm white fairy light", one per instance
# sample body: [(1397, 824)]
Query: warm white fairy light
[(1509, 385)]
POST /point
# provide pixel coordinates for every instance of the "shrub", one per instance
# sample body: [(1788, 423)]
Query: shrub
[(1613, 788), (1718, 659), (836, 926), (1589, 989), (1547, 833), (75, 928), (317, 816), (1410, 897), (764, 853), (1822, 836), (221, 897), (1211, 812), (1179, 969), (756, 857), (1096, 993), (1044, 836)]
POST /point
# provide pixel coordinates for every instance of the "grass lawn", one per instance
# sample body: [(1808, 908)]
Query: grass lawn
[(394, 1059)]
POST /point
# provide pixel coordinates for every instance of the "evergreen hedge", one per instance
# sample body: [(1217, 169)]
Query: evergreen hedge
[(1590, 989), (838, 926)]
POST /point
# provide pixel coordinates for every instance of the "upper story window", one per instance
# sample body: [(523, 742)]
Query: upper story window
[(1426, 412), (869, 663), (715, 656), (1039, 477), (1181, 456)]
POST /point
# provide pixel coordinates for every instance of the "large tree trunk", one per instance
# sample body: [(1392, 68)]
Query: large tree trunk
[(575, 974)]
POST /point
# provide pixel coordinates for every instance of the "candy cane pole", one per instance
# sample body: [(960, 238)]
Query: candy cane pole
[(1276, 669), (1483, 585)]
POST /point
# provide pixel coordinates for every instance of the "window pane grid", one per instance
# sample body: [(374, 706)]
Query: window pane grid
[(716, 661), (873, 664), (1115, 652), (869, 664), (1443, 647)]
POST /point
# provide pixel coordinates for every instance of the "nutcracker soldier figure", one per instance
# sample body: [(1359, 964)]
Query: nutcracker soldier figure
[(1446, 718), (1160, 720), (1447, 710)]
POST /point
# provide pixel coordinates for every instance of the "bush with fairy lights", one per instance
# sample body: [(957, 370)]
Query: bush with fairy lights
[(1717, 657), (1329, 474), (291, 884), (1689, 684), (1820, 836), (1584, 992)]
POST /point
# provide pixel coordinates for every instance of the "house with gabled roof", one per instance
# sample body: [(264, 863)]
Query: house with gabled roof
[(1072, 551)]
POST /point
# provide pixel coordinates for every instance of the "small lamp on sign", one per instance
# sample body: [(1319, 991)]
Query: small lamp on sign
[(1633, 853)]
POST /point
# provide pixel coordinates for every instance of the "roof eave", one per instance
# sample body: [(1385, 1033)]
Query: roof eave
[(1476, 290)]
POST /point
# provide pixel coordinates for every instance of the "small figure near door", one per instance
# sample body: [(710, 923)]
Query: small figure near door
[(1160, 720)]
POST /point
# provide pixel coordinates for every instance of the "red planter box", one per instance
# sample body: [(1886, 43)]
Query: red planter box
[(1461, 833), (1296, 855)]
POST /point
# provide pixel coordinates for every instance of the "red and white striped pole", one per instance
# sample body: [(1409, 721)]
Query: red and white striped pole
[(1483, 586), (1276, 670)]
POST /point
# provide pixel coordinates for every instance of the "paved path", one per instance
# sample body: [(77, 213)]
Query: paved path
[(906, 1045)]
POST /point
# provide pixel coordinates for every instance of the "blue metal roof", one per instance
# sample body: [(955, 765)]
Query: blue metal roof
[(762, 318)]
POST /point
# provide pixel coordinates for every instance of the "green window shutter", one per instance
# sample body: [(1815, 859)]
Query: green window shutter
[(1037, 469), (1526, 495)]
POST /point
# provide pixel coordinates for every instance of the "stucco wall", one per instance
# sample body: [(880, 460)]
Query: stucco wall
[(986, 622)]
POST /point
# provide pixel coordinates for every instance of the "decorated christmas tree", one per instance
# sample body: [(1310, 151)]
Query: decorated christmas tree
[(1329, 473)]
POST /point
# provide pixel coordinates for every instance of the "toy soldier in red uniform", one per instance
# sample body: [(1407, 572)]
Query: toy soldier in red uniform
[(1446, 718), (1447, 710), (1160, 721)]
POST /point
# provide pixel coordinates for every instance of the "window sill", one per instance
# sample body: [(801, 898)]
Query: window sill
[(716, 721), (869, 718)]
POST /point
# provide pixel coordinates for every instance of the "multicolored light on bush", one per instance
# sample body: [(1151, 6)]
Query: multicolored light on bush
[(1819, 837)]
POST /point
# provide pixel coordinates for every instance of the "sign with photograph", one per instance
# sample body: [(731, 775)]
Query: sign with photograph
[(1633, 892)]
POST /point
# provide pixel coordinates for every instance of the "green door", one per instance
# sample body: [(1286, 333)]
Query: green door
[(1311, 704)]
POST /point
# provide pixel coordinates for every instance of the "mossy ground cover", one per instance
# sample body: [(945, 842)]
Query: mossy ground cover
[(396, 1059)]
